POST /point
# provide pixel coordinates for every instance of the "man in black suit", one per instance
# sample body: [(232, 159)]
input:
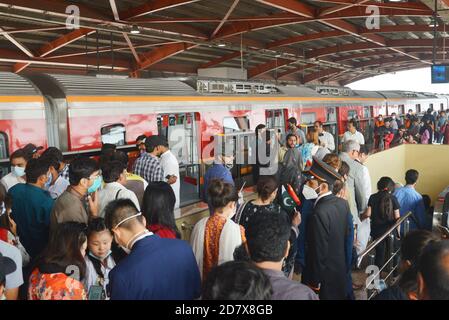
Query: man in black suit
[(327, 230)]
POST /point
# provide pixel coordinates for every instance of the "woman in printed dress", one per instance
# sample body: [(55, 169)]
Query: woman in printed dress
[(60, 269)]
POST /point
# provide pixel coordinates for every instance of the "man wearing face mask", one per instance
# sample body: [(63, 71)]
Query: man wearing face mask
[(326, 268), (308, 197), (148, 165), (18, 161), (80, 200), (56, 185), (155, 268), (31, 207), (221, 170)]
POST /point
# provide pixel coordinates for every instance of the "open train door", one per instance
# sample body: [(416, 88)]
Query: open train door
[(182, 133)]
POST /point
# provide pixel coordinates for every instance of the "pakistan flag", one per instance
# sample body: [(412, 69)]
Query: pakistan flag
[(287, 198)]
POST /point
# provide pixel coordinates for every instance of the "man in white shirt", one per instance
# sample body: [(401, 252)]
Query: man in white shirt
[(170, 166), (15, 279), (353, 134), (18, 161), (326, 139), (114, 175), (359, 187)]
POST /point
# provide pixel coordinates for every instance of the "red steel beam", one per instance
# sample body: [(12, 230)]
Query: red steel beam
[(359, 12), (346, 4), (267, 67), (162, 53), (222, 59), (297, 69), (225, 18), (305, 37), (293, 6), (320, 74), (153, 6), (56, 44)]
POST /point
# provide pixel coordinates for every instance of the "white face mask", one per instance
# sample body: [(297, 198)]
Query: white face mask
[(18, 171), (310, 193)]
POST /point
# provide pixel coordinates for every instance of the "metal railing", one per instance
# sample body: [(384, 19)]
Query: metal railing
[(391, 264)]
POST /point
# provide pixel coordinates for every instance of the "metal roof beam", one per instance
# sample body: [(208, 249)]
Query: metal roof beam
[(153, 6), (162, 53), (228, 13), (292, 6), (267, 67), (56, 44)]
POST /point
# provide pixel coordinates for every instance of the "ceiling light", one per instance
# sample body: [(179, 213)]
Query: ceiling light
[(135, 29), (222, 45)]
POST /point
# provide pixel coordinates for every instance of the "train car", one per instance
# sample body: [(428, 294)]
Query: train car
[(22, 115), (79, 113)]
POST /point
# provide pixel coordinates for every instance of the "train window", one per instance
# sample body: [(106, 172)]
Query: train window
[(331, 114), (3, 153), (234, 124), (308, 117), (431, 106), (114, 134), (367, 112), (418, 108), (441, 106), (352, 114), (401, 109), (3, 146)]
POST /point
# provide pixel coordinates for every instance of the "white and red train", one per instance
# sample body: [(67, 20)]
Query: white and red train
[(78, 113)]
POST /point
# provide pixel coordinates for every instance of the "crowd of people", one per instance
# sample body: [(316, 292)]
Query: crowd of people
[(89, 229), (392, 131)]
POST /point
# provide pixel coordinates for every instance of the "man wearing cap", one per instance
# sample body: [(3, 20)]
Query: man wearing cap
[(11, 277), (148, 165), (325, 270)]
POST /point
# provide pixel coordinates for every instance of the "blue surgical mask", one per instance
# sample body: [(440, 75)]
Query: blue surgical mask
[(18, 171), (95, 186), (49, 181)]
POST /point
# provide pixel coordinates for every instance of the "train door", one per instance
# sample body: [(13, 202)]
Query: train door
[(182, 133), (4, 154), (237, 135)]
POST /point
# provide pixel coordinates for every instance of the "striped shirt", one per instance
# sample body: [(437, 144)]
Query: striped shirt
[(148, 167)]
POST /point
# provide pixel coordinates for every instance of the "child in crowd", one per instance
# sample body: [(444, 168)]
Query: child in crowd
[(99, 260)]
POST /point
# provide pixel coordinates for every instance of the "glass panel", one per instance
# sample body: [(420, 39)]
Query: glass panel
[(235, 124), (114, 134), (308, 118)]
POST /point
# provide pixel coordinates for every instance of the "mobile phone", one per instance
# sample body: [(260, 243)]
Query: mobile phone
[(96, 293)]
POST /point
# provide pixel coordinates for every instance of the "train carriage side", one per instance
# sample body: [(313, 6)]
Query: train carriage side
[(22, 116)]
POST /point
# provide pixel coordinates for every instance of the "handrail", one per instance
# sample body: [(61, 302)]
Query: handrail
[(374, 244)]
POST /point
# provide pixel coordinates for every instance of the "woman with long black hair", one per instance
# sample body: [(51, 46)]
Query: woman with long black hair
[(59, 271), (159, 210), (383, 209)]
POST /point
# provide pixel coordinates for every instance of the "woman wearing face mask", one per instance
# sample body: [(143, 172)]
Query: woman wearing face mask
[(101, 258), (215, 238), (59, 270)]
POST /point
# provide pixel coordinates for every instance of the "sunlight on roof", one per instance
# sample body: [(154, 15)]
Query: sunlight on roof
[(410, 80)]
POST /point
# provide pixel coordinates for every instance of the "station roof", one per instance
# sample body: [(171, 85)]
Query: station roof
[(310, 41)]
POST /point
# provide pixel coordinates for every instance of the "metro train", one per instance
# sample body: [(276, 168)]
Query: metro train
[(79, 113)]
